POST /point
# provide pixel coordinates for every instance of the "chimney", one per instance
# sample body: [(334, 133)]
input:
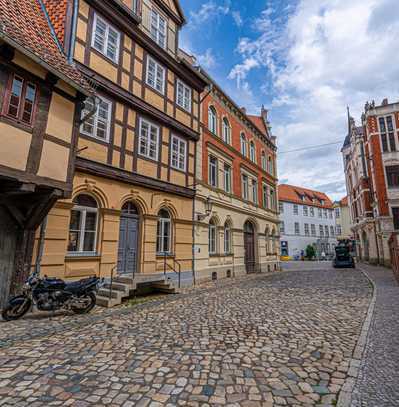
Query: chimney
[(263, 113), (244, 110), (384, 102)]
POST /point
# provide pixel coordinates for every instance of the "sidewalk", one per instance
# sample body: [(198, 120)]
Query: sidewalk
[(378, 381)]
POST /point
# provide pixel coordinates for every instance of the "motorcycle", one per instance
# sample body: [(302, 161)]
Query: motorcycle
[(52, 294)]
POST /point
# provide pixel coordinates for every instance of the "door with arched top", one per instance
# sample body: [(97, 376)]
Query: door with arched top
[(249, 247), (128, 240)]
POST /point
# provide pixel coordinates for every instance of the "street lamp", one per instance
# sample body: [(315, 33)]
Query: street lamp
[(208, 209)]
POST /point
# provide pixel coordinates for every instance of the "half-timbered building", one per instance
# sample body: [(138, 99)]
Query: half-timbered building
[(40, 99), (132, 204)]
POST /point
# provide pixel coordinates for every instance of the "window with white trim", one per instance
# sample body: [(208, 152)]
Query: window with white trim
[(281, 207), (307, 232), (296, 209), (338, 230), (252, 153), (226, 131), (227, 239), (98, 125), (264, 161), (227, 178), (245, 186), (212, 242), (183, 96), (387, 133), (305, 210), (321, 230), (212, 120), (312, 211), (265, 197), (254, 191), (326, 231), (213, 171), (148, 140), (179, 153), (158, 28), (313, 229), (105, 39), (164, 232), (243, 141), (332, 231), (155, 75), (83, 225), (297, 228), (282, 228)]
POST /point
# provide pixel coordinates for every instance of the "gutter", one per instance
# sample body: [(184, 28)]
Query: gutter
[(39, 61), (71, 50)]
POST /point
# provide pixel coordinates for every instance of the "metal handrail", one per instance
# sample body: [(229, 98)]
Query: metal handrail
[(112, 279), (166, 264)]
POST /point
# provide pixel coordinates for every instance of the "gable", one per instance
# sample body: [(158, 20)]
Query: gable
[(174, 7)]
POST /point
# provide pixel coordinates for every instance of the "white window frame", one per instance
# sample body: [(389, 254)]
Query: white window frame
[(265, 196), (104, 49), (264, 161), (162, 222), (282, 227), (296, 209), (212, 119), (297, 228), (84, 210), (212, 238), (95, 119), (255, 191), (313, 231), (307, 229), (212, 165), (252, 151), (243, 144), (226, 130), (245, 187), (227, 178), (148, 140), (159, 70), (155, 30), (177, 157), (305, 210), (182, 99), (227, 239)]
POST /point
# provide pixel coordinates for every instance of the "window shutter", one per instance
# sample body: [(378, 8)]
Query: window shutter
[(171, 40), (146, 17)]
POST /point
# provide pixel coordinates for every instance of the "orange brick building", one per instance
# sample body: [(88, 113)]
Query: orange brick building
[(236, 202)]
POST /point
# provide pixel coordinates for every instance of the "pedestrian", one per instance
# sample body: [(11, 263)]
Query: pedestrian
[(323, 256)]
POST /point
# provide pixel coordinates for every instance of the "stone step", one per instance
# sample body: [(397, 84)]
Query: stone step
[(164, 288), (106, 302), (123, 280), (106, 293), (125, 288)]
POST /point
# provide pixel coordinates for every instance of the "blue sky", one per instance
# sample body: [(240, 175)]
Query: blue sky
[(305, 60)]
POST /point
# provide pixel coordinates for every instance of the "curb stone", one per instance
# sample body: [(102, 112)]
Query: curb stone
[(346, 394)]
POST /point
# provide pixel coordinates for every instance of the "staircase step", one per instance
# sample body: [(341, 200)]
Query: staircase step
[(125, 288), (114, 294), (123, 280), (106, 302)]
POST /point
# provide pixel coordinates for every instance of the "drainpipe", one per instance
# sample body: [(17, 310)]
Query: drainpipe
[(73, 32), (376, 243), (40, 246)]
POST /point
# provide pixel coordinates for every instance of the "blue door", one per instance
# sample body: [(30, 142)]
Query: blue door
[(128, 240)]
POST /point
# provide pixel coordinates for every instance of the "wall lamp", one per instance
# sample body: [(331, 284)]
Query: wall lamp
[(208, 210)]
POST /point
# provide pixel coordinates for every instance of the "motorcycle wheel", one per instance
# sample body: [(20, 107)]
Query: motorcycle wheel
[(16, 309), (91, 302)]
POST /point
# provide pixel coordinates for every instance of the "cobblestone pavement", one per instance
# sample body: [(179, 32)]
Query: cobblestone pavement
[(266, 340), (378, 381)]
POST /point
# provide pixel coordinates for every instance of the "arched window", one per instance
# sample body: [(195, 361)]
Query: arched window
[(226, 131), (129, 208), (227, 239), (212, 240), (83, 225), (264, 161), (271, 166), (243, 144), (164, 232), (252, 154), (212, 120)]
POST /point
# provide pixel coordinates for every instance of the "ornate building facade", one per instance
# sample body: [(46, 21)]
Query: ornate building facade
[(371, 160), (236, 228)]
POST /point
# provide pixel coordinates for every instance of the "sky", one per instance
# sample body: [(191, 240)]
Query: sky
[(306, 61)]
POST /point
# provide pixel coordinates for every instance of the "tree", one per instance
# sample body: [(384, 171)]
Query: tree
[(310, 252)]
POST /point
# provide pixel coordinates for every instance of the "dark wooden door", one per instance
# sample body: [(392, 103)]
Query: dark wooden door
[(128, 245), (8, 240), (249, 248)]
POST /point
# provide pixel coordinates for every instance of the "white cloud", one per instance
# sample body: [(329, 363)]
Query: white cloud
[(207, 60), (237, 18), (322, 56), (209, 11)]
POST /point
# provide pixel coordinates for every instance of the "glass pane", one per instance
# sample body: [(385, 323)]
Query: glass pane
[(88, 244), (73, 244), (390, 123), (15, 97), (382, 125), (76, 217), (91, 221), (85, 200)]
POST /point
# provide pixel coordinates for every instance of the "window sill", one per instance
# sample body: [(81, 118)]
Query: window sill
[(17, 123), (82, 256), (165, 255)]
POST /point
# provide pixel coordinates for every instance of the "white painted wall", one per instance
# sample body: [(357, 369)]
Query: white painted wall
[(297, 243)]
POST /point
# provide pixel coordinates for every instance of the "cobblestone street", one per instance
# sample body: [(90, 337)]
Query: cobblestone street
[(265, 340), (378, 382)]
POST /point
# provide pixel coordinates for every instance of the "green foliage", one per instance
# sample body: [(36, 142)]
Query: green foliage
[(310, 252)]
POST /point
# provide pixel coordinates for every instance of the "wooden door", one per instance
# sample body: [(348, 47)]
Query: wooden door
[(249, 248)]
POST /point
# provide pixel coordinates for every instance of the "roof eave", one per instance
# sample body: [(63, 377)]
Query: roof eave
[(44, 64)]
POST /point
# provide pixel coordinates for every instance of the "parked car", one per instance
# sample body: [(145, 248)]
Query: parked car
[(343, 257)]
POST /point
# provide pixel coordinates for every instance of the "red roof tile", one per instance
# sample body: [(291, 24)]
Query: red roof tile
[(290, 193), (57, 11), (344, 201), (24, 26)]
